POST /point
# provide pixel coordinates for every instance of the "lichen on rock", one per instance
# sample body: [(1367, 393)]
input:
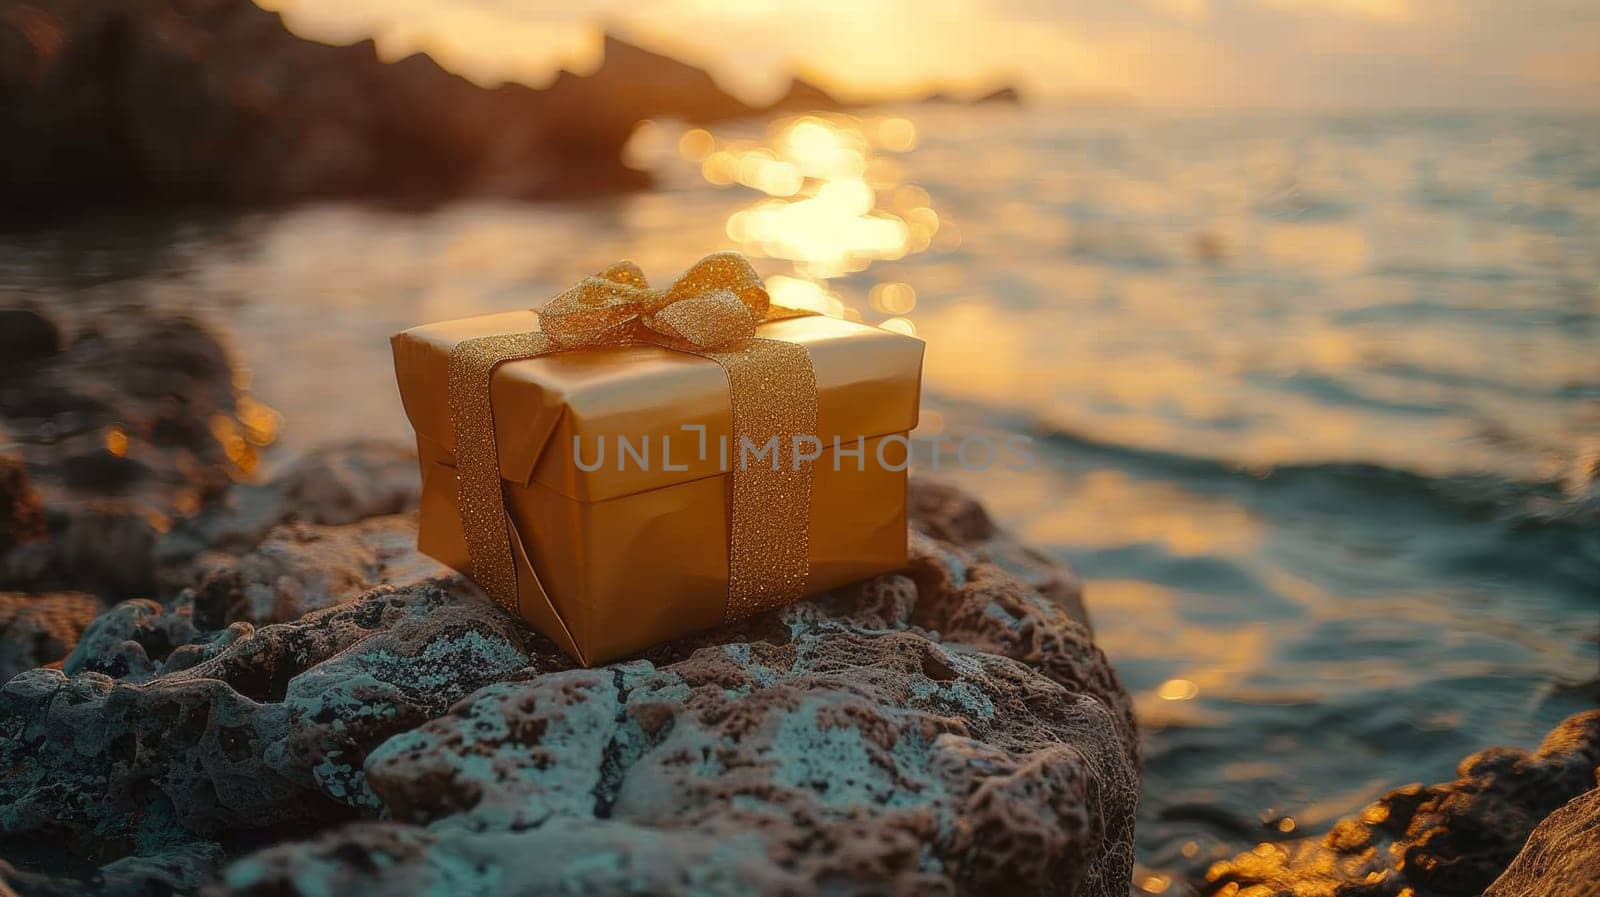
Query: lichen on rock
[(948, 729), (302, 567), (858, 755)]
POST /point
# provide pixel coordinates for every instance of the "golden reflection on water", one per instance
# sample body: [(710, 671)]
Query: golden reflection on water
[(1178, 690), (833, 202)]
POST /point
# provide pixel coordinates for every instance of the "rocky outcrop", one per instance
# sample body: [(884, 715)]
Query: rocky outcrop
[(948, 729), (21, 512), (131, 424), (1562, 857), (347, 482), (26, 337), (1454, 838), (299, 568), (334, 484), (286, 697), (162, 101), (1007, 94), (132, 640), (804, 96), (127, 436)]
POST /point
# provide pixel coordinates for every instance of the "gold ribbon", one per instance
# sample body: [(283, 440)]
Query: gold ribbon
[(712, 311)]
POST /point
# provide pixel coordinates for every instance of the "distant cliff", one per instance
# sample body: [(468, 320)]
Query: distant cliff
[(214, 101)]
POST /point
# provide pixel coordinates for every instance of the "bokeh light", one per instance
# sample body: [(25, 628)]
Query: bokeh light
[(833, 202)]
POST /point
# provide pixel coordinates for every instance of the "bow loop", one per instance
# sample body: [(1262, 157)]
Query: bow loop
[(595, 312), (715, 319), (716, 304), (724, 271), (625, 272)]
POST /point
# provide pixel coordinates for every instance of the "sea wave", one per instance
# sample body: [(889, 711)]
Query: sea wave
[(1570, 504)]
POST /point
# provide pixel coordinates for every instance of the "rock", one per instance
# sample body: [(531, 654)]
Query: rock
[(849, 755), (132, 425), (300, 568), (944, 512), (947, 730), (166, 101), (131, 641), (1561, 858), (21, 511), (1451, 839), (258, 728), (135, 451), (128, 446), (106, 547), (631, 85), (338, 483), (1006, 94), (947, 513), (36, 630), (26, 336), (351, 481), (167, 869)]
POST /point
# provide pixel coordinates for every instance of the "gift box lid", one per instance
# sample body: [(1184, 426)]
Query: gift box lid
[(653, 399)]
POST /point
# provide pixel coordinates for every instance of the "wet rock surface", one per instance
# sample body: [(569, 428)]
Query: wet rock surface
[(1454, 838)]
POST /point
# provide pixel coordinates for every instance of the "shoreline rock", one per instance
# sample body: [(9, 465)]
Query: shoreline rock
[(290, 699), (131, 423), (302, 703), (174, 102), (1454, 838), (949, 728), (1562, 856)]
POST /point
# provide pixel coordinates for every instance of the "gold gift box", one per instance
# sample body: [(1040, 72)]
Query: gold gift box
[(635, 551)]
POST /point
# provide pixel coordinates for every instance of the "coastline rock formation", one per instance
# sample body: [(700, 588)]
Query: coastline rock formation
[(215, 101), (1562, 858), (286, 698), (1454, 838), (1006, 94), (128, 422), (292, 700), (948, 729)]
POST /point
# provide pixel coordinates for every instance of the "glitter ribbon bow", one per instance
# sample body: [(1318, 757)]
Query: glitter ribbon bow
[(715, 304), (712, 310)]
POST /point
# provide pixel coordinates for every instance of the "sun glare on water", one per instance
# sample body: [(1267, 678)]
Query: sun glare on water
[(833, 201)]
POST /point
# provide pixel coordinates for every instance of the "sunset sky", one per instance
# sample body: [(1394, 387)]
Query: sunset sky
[(1318, 53)]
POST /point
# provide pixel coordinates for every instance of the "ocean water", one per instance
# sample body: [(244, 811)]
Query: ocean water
[(1315, 399)]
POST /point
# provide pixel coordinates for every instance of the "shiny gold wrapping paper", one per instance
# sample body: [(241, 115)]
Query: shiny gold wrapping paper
[(635, 556)]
